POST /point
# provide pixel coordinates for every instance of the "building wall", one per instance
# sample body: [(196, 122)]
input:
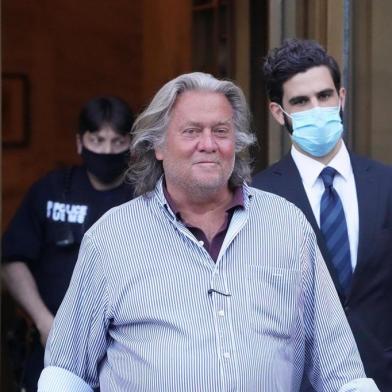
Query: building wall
[(71, 51), (166, 43), (380, 130)]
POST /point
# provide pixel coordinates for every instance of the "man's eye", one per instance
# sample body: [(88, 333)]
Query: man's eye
[(325, 96), (221, 131), (190, 131), (301, 101)]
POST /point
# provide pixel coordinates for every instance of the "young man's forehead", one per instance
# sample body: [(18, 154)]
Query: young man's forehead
[(105, 132), (313, 80)]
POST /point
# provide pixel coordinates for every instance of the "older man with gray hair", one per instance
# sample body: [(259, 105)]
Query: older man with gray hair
[(201, 283)]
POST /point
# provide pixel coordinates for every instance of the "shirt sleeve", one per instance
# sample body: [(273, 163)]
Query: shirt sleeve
[(54, 379), (78, 339), (360, 385), (332, 360)]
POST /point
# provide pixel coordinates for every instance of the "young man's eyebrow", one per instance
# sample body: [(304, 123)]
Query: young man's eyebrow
[(297, 98), (327, 90)]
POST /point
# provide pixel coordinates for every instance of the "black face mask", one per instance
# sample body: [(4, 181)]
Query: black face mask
[(106, 167)]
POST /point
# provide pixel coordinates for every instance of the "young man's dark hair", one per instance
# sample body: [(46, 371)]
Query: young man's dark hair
[(295, 56), (107, 110)]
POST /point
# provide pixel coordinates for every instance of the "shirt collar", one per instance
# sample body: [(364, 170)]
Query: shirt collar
[(236, 202), (310, 169)]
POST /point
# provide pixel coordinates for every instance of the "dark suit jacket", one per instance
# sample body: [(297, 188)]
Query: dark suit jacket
[(368, 304)]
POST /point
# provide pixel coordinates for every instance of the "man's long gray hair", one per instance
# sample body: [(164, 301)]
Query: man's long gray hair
[(149, 130)]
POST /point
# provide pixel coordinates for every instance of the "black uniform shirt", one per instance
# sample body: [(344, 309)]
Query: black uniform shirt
[(48, 227)]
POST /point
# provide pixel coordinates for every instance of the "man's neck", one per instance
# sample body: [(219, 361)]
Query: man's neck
[(200, 202), (326, 158), (207, 212)]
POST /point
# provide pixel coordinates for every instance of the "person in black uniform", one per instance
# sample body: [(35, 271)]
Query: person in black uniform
[(41, 244)]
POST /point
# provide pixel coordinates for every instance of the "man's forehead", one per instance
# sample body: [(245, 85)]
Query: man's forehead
[(105, 132), (228, 121), (202, 106), (199, 96), (313, 80)]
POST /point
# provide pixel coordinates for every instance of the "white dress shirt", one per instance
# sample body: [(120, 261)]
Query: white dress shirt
[(344, 184)]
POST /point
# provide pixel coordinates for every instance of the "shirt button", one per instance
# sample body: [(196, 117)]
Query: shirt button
[(221, 313), (226, 355), (201, 243)]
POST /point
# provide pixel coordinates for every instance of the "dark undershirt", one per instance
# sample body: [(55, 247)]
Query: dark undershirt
[(215, 245)]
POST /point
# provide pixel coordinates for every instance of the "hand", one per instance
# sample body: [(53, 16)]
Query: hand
[(43, 326), (23, 288)]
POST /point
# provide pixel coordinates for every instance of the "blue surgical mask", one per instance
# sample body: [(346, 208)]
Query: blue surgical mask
[(317, 130)]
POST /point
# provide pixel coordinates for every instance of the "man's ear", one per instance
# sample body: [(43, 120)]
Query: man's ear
[(159, 153), (79, 144), (342, 96), (276, 112)]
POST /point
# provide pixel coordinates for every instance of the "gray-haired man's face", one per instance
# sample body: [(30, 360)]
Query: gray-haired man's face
[(199, 151)]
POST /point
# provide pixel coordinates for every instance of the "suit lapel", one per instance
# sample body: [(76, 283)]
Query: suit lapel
[(294, 189), (367, 194)]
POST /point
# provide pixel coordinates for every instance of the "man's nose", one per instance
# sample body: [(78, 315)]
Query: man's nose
[(207, 141), (314, 102), (107, 148)]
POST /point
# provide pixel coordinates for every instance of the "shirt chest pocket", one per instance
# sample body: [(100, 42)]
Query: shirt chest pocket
[(274, 300)]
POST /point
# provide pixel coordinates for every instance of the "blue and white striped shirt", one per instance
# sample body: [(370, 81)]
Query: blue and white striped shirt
[(139, 314)]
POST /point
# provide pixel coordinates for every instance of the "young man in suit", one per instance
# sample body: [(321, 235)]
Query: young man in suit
[(346, 198)]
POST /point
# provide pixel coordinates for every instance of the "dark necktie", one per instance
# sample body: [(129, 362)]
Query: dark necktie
[(334, 228)]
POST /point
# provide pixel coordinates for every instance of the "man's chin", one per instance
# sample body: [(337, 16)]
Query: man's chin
[(210, 183)]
